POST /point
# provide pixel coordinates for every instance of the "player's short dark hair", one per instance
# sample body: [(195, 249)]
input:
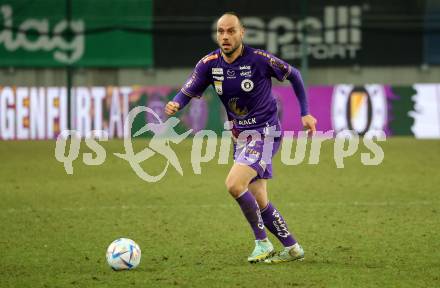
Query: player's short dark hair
[(233, 13)]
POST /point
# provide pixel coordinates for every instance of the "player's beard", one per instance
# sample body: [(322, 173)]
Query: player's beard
[(227, 54)]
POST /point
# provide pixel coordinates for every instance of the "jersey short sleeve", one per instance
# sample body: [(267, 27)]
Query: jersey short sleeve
[(199, 80)]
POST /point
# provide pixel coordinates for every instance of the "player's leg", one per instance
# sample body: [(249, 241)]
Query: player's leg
[(258, 188), (271, 216), (237, 184), (276, 224), (238, 179)]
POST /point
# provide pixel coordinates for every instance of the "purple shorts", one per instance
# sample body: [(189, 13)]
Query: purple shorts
[(257, 154)]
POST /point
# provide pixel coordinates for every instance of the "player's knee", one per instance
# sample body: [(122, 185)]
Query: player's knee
[(234, 188)]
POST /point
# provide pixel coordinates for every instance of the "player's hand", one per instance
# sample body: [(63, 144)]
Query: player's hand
[(309, 123), (171, 108)]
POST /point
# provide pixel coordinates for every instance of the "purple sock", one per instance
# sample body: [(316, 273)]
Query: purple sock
[(251, 211), (276, 225)]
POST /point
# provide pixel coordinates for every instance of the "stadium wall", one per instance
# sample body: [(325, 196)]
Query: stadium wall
[(41, 112), (394, 75)]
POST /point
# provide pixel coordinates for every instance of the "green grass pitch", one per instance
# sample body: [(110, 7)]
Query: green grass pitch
[(361, 226)]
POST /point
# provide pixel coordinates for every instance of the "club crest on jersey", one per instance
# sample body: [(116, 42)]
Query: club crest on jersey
[(247, 85), (218, 87), (217, 71)]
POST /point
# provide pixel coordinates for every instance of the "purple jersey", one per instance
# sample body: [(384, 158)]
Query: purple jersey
[(244, 87)]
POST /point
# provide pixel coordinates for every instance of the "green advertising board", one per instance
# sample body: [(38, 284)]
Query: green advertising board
[(100, 33)]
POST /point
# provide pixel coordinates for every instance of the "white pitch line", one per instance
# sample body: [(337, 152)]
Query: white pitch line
[(210, 206)]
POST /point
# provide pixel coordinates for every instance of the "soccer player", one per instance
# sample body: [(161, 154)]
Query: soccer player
[(241, 76)]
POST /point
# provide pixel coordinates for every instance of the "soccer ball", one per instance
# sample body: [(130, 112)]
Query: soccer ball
[(123, 254)]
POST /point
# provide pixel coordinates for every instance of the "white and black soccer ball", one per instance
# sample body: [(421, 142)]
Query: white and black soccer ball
[(123, 254)]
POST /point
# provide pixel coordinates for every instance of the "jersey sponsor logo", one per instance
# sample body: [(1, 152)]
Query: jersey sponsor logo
[(245, 67), (234, 108), (247, 85), (217, 71), (247, 121), (246, 73), (362, 109), (209, 58), (218, 87), (219, 78), (231, 74)]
